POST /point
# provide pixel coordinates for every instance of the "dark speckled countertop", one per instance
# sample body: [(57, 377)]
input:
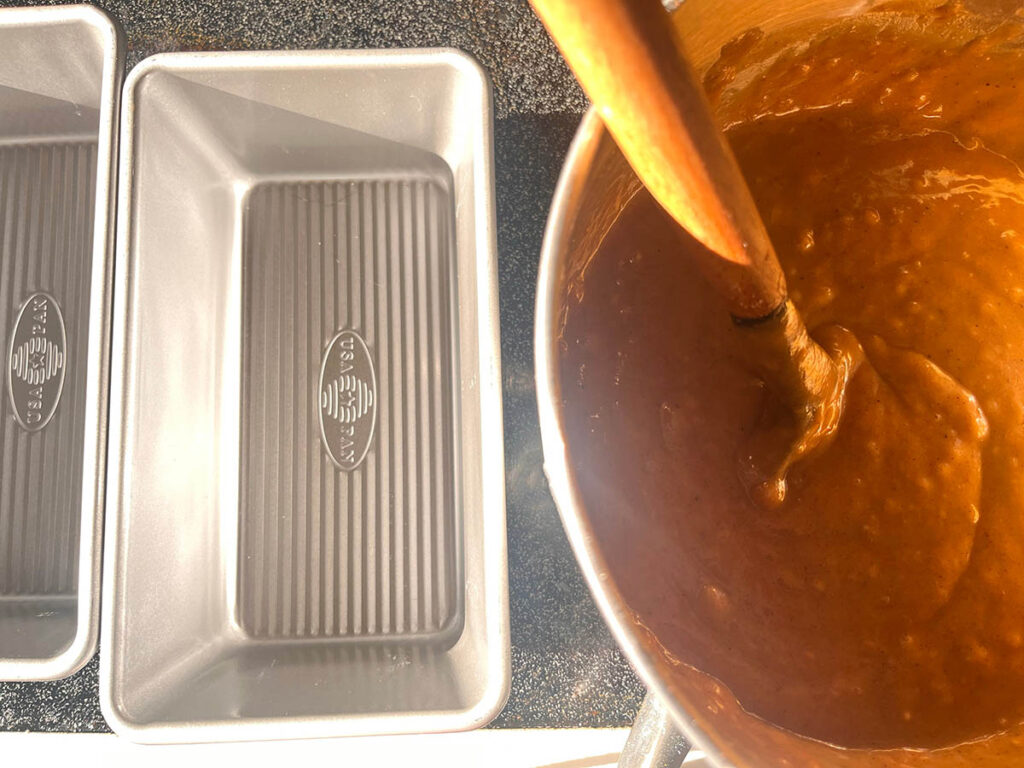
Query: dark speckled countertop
[(566, 670)]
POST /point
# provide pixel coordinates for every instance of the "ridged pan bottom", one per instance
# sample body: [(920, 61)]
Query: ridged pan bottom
[(46, 224), (371, 551)]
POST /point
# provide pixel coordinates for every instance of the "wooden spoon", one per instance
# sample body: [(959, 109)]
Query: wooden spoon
[(630, 61)]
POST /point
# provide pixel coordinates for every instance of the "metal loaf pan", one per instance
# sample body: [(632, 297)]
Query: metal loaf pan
[(306, 523), (60, 84)]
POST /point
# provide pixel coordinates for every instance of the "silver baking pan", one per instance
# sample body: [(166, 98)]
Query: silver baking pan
[(306, 522), (60, 84)]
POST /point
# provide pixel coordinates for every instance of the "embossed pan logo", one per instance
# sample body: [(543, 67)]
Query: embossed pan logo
[(348, 400), (37, 361)]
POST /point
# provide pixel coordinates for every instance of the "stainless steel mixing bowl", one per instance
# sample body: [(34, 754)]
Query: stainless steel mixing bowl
[(595, 184)]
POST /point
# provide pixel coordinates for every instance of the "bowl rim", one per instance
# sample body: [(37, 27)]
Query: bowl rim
[(651, 669)]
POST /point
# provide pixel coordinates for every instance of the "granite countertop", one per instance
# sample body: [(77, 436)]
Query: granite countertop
[(566, 670)]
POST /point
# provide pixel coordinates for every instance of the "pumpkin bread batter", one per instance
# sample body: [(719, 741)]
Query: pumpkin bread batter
[(882, 604)]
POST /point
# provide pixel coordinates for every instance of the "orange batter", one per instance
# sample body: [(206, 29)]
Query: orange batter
[(882, 604)]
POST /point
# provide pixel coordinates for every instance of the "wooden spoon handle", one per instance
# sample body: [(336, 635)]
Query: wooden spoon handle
[(630, 61)]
